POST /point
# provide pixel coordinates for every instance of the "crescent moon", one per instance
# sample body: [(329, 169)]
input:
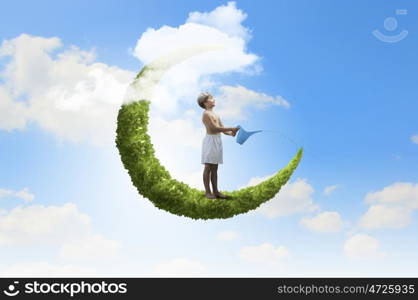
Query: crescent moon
[(153, 181)]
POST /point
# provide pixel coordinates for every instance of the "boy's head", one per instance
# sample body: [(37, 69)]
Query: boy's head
[(205, 100)]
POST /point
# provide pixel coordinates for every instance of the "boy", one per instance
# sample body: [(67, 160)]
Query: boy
[(212, 151)]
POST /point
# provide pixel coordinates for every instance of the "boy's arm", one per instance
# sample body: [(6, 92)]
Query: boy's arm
[(210, 122), (226, 132)]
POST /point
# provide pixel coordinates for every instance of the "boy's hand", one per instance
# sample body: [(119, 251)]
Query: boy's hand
[(234, 131)]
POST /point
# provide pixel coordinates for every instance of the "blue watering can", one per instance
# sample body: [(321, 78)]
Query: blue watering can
[(243, 135)]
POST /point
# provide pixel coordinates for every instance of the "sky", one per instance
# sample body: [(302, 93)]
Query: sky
[(315, 72)]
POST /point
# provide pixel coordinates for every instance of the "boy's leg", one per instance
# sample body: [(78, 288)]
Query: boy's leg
[(214, 179), (206, 176)]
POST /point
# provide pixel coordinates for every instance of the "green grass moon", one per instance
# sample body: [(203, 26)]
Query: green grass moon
[(154, 182)]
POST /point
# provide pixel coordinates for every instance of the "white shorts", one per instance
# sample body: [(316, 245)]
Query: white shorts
[(212, 151)]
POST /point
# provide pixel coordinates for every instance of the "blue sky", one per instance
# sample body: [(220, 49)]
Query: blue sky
[(353, 104)]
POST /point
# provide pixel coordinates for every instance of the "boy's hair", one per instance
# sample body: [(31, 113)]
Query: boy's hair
[(202, 99)]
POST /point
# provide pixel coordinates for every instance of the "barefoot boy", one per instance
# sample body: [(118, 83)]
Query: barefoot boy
[(212, 152)]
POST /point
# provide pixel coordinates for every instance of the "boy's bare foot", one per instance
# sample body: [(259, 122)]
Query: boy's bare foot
[(210, 196), (222, 196)]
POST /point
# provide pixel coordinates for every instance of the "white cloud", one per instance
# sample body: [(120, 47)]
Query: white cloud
[(13, 114), (264, 253), (155, 43), (93, 247), (208, 51), (330, 189), (414, 138), (324, 222), (385, 216), (44, 269), (293, 198), (220, 28), (233, 100), (181, 267), (67, 93), (390, 207), (227, 235), (401, 193), (362, 246), (23, 194), (226, 18), (37, 224), (62, 225)]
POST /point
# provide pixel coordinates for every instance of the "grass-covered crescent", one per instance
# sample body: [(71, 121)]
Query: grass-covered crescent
[(154, 182)]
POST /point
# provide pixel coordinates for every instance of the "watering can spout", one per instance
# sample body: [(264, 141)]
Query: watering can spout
[(243, 135)]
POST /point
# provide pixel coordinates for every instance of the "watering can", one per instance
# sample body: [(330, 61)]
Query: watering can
[(243, 135)]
